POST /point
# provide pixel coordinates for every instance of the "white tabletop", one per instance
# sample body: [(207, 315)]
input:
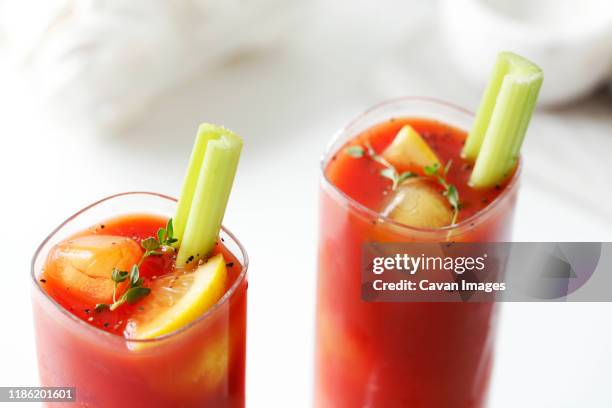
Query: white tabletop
[(287, 102)]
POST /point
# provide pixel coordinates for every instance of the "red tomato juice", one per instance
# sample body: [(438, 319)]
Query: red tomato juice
[(199, 365), (389, 355)]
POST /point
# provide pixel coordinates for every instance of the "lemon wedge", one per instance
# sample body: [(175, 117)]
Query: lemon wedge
[(409, 149), (178, 299)]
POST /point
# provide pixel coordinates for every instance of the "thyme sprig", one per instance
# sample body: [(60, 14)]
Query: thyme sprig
[(450, 191), (153, 246), (389, 171)]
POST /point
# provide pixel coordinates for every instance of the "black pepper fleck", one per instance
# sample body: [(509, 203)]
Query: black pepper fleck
[(229, 264), (43, 281)]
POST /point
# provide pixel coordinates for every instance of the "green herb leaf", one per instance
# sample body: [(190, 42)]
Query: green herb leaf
[(405, 175), (450, 191), (134, 276), (133, 295), (170, 230), (153, 247), (389, 171), (118, 276), (431, 170), (150, 244), (161, 235), (355, 151), (453, 196), (164, 237), (391, 174)]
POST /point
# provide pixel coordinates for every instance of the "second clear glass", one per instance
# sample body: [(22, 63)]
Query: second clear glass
[(399, 354)]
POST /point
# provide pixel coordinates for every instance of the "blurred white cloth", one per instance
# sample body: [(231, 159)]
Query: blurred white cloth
[(98, 64), (572, 44)]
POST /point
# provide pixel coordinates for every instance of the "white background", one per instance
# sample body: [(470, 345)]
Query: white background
[(287, 102)]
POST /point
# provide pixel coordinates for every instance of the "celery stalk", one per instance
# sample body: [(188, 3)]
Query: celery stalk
[(206, 190), (502, 119), (485, 110), (205, 134)]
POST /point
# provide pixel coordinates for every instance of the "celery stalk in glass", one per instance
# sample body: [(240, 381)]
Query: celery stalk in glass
[(206, 190), (503, 117)]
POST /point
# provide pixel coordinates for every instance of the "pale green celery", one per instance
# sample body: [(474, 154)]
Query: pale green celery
[(205, 133), (206, 190), (502, 119)]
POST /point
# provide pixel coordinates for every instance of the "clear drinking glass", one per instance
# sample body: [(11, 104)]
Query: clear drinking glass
[(372, 354), (201, 364)]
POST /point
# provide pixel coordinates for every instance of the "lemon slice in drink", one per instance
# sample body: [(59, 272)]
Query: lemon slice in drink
[(409, 149), (178, 299)]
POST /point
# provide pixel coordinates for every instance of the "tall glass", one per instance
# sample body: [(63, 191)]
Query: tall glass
[(199, 365), (398, 354)]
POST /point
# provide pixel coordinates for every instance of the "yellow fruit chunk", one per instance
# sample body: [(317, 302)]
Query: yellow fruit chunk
[(418, 203), (409, 150), (84, 265), (178, 299)]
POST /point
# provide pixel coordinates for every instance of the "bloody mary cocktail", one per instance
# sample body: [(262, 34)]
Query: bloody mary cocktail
[(374, 354), (140, 299), (200, 364)]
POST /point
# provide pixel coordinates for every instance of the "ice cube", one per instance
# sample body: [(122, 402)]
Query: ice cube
[(418, 202), (83, 265)]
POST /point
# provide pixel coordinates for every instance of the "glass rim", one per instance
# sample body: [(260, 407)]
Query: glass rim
[(354, 204), (98, 331)]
